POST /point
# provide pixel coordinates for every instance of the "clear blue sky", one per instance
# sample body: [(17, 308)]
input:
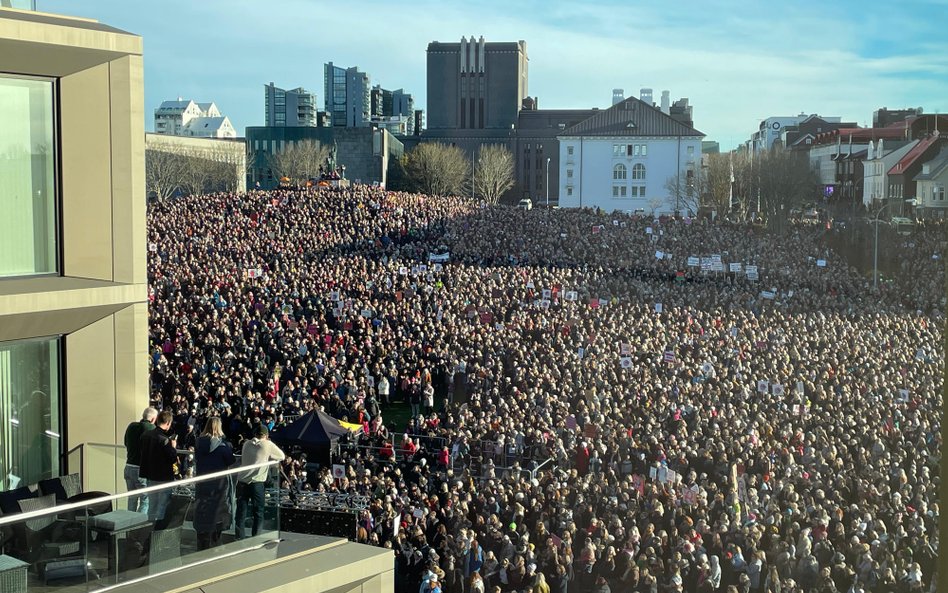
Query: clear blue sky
[(737, 62)]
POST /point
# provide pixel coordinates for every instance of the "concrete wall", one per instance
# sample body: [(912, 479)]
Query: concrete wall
[(98, 301)]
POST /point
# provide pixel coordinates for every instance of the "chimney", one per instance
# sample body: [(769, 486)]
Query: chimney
[(645, 95), (618, 96), (666, 100)]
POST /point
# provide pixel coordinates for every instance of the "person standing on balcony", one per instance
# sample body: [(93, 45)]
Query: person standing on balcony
[(159, 457), (212, 515), (133, 458), (251, 484)]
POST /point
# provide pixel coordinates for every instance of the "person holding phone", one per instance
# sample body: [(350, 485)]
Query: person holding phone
[(159, 455)]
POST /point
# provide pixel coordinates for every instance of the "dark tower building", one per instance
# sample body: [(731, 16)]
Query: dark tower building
[(475, 85)]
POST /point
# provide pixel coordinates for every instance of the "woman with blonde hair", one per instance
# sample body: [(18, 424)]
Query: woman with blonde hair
[(539, 584), (212, 513)]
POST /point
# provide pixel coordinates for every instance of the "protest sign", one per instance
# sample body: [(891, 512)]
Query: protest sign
[(734, 267), (625, 362)]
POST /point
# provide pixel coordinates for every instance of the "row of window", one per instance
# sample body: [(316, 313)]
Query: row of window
[(620, 150), (621, 191), (620, 173)]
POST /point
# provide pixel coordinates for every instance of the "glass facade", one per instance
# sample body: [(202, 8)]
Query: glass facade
[(30, 414), (28, 229)]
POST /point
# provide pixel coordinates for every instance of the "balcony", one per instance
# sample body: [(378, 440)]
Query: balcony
[(74, 539)]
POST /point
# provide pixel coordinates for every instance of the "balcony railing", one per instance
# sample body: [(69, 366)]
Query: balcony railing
[(98, 542)]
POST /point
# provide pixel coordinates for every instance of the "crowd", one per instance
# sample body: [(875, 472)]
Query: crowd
[(661, 420)]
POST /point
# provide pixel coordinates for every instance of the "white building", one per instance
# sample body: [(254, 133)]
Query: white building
[(930, 191), (880, 157), (188, 118), (770, 130), (623, 157)]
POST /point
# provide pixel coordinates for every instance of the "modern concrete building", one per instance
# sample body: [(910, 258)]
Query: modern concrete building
[(295, 107), (347, 96), (366, 153), (393, 110), (73, 309), (73, 292), (188, 118), (475, 85), (622, 158)]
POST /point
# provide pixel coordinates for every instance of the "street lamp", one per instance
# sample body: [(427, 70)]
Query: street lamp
[(875, 255), (547, 182)]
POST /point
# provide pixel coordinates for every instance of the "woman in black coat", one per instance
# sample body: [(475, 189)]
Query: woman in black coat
[(213, 512)]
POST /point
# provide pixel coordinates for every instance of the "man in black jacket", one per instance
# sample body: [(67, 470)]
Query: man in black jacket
[(158, 457), (133, 458)]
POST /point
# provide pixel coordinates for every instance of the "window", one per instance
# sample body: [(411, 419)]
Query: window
[(618, 150), (30, 423), (691, 150), (569, 191), (569, 150), (635, 191), (938, 193), (638, 171), (645, 150), (638, 148), (569, 173), (618, 191), (619, 172), (28, 226)]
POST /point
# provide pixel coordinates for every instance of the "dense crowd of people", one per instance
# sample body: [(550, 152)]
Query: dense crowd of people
[(598, 401)]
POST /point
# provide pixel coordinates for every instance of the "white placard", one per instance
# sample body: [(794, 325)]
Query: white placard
[(734, 267), (658, 307)]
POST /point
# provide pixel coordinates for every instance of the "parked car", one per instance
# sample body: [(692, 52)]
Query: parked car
[(525, 204)]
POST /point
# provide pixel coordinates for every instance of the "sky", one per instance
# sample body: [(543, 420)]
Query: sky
[(737, 62)]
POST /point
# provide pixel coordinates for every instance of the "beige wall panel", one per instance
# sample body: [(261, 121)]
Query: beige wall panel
[(90, 384), (86, 174), (131, 366), (128, 169), (51, 323)]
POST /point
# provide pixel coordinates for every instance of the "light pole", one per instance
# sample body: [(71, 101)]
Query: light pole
[(875, 254), (547, 182)]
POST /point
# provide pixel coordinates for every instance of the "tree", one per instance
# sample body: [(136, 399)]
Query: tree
[(688, 192), (438, 169), (164, 170), (494, 173), (298, 161), (717, 183)]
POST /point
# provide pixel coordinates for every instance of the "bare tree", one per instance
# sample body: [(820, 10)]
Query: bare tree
[(494, 174), (438, 169), (687, 192), (298, 161), (655, 204), (717, 183), (164, 170)]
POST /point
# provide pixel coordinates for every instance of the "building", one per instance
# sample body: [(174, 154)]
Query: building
[(348, 96), (881, 155), (901, 176), (475, 85), (188, 118), (74, 308), (222, 160), (802, 135), (536, 151), (296, 107), (710, 147), (364, 153), (884, 117), (770, 130), (930, 187), (624, 157), (393, 110)]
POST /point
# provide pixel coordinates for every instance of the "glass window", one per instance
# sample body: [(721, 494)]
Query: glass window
[(638, 147), (619, 172), (29, 412), (569, 191), (569, 150), (645, 150), (638, 171), (569, 173), (28, 229)]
